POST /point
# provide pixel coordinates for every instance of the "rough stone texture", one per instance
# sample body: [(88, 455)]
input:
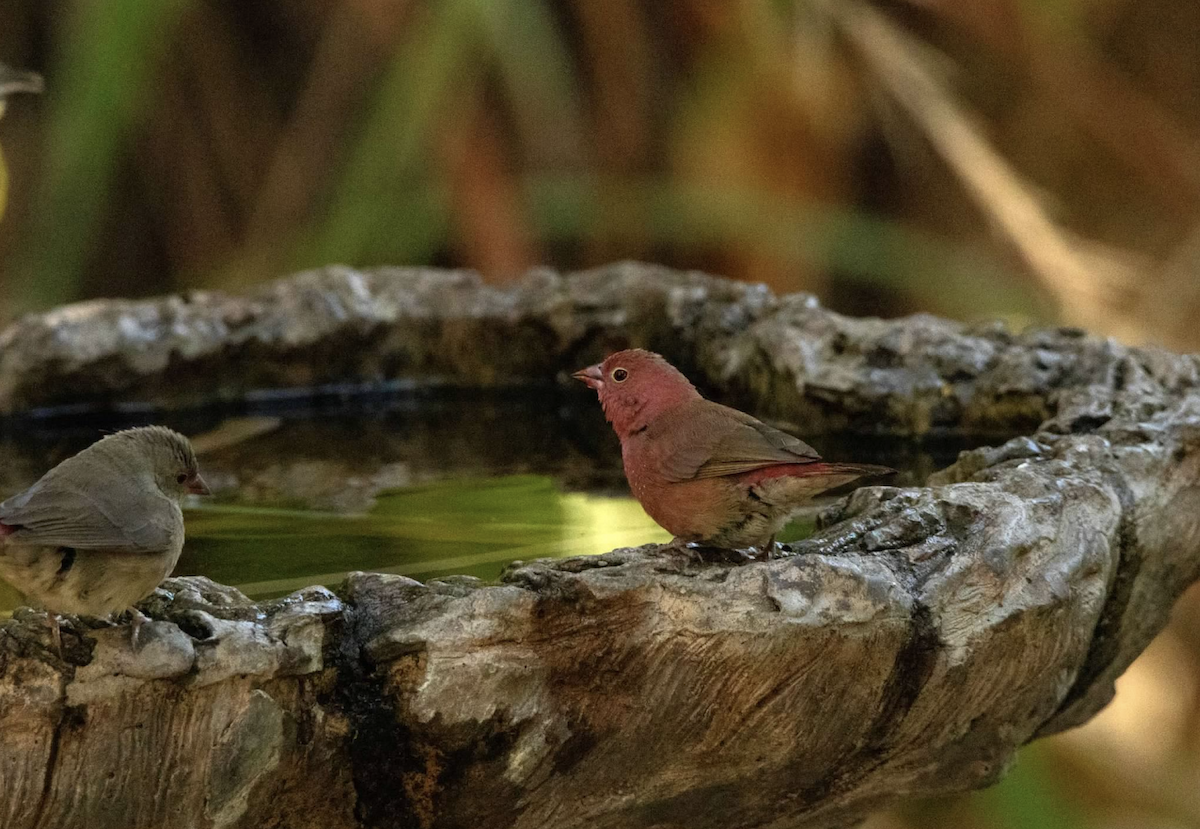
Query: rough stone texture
[(785, 355), (909, 648), (217, 721)]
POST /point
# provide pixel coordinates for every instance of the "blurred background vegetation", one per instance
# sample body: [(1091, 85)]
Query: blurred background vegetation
[(1037, 161)]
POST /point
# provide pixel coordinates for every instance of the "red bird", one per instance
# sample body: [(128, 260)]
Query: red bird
[(705, 472)]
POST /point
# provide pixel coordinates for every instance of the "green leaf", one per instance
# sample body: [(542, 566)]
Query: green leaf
[(382, 208), (106, 67)]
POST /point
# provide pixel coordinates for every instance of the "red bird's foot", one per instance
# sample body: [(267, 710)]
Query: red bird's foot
[(678, 545), (708, 554), (695, 551), (764, 553)]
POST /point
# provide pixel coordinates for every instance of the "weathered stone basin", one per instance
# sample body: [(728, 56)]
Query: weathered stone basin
[(909, 648)]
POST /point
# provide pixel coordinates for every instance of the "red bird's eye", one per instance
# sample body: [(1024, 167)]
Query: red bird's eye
[(620, 374), (181, 477)]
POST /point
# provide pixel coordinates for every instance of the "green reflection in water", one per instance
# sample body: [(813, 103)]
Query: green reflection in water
[(471, 526), (466, 526)]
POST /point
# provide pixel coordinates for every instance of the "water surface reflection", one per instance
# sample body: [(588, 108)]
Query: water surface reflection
[(423, 486)]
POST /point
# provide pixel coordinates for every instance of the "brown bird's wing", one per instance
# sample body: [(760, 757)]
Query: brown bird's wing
[(80, 505), (711, 441)]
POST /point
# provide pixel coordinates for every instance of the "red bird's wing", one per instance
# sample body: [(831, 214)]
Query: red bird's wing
[(709, 440)]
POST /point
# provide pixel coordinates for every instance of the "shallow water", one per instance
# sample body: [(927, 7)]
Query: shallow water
[(418, 485)]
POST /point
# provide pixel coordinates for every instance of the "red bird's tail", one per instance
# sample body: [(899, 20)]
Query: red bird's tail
[(799, 482), (819, 469), (847, 477), (866, 470)]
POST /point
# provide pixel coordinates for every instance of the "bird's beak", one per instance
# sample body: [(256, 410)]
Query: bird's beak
[(590, 375), (196, 486)]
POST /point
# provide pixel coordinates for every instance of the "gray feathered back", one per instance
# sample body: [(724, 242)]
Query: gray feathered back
[(107, 497)]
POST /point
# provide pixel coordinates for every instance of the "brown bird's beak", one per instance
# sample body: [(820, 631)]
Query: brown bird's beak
[(196, 486), (590, 375)]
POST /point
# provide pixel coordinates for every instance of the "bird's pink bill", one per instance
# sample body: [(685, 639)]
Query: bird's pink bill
[(592, 375)]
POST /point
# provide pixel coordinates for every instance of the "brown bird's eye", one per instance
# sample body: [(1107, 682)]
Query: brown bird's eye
[(181, 477), (619, 374)]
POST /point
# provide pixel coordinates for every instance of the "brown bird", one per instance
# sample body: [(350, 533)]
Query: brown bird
[(101, 530), (705, 472)]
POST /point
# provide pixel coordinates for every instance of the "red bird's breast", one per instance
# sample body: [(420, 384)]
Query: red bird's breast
[(694, 509)]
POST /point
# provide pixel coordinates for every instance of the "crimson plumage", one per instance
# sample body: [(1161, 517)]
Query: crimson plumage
[(705, 472)]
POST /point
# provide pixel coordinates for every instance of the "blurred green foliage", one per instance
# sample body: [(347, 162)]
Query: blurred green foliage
[(12, 81), (106, 62), (3, 183), (488, 134), (1031, 798), (186, 144)]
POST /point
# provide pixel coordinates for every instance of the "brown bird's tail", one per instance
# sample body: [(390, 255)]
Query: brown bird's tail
[(797, 483), (851, 475), (865, 470)]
